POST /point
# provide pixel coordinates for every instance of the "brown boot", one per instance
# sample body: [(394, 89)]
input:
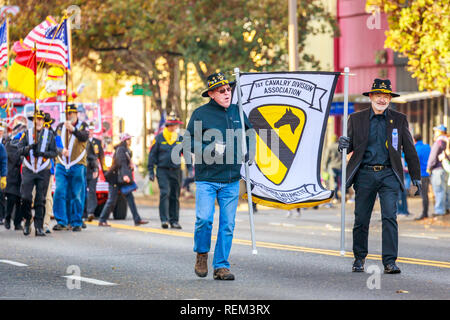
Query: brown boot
[(201, 265), (223, 274)]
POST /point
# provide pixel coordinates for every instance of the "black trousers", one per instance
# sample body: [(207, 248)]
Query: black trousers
[(2, 205), (14, 202), (91, 196), (425, 186), (367, 185), (169, 182), (30, 180)]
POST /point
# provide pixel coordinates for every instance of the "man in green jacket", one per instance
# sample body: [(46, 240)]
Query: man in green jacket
[(217, 149)]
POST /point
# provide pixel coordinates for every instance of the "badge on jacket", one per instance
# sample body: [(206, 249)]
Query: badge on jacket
[(395, 138)]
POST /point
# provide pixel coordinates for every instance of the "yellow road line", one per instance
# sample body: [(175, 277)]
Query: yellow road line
[(287, 247)]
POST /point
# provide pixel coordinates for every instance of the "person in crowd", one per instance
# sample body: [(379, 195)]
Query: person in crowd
[(168, 172), (423, 151), (377, 136), (96, 161), (70, 172), (14, 179), (438, 175), (120, 177), (37, 146), (48, 122), (215, 179), (3, 137)]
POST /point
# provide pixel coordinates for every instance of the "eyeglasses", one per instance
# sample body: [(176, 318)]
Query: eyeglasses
[(222, 90)]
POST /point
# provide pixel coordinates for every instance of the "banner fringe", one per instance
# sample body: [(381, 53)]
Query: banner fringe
[(285, 206)]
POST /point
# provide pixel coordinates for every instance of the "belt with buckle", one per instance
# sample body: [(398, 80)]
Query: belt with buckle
[(376, 168)]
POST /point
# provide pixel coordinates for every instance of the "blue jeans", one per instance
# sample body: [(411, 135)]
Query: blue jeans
[(68, 200), (439, 183), (227, 195)]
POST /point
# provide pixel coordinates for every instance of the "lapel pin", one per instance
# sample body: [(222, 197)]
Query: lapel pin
[(392, 121)]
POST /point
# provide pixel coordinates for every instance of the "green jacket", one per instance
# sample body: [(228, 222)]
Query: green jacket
[(214, 116)]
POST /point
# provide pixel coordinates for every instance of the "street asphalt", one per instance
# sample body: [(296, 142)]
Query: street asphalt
[(298, 258)]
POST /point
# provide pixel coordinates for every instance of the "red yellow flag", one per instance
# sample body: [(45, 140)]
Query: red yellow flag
[(22, 73)]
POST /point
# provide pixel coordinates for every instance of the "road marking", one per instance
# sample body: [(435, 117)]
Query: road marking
[(14, 263), (90, 280), (271, 245)]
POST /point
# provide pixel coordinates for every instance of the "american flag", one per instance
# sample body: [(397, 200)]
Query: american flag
[(52, 42), (3, 45), (38, 33)]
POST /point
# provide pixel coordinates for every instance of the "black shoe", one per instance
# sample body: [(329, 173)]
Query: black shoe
[(391, 268), (421, 217), (27, 228), (76, 229), (47, 230), (59, 227), (358, 265), (164, 225), (39, 232), (18, 228), (7, 224), (83, 225), (175, 225)]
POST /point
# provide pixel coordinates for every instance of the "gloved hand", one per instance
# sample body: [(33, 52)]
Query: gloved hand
[(34, 146), (344, 143), (38, 154), (151, 176), (418, 184), (2, 183)]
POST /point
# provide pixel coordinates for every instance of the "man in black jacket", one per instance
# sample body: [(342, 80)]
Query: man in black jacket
[(167, 172), (36, 171), (377, 136), (12, 191)]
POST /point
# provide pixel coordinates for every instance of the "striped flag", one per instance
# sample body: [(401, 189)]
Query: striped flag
[(3, 45), (38, 33), (54, 48)]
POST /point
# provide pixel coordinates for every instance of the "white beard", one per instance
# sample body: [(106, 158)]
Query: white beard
[(381, 108), (55, 85)]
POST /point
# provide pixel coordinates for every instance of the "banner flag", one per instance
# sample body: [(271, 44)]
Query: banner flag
[(289, 112)]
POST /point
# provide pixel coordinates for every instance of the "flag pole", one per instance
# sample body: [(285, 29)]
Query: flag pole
[(344, 161), (35, 101), (69, 61), (244, 151)]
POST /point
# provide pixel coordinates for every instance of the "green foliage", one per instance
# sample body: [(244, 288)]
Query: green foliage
[(420, 30)]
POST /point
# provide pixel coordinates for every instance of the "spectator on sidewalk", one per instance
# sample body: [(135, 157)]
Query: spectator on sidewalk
[(438, 175), (423, 151)]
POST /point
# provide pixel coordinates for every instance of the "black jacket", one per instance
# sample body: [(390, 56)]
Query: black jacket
[(50, 149), (94, 152), (161, 154), (214, 116), (14, 179), (358, 132), (121, 165)]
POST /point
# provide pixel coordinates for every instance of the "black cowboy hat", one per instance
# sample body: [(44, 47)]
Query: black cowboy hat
[(39, 115), (216, 80), (381, 86), (71, 108), (48, 120)]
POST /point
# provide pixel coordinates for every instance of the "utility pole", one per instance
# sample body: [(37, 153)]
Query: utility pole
[(293, 36)]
